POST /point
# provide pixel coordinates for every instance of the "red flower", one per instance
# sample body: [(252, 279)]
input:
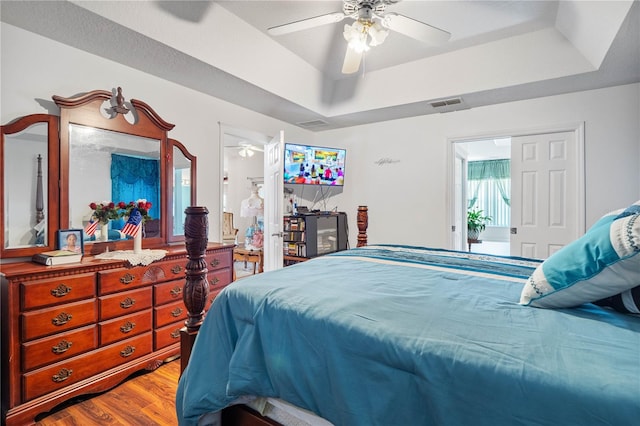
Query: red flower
[(93, 206)]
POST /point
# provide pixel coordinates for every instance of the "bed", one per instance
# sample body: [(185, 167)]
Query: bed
[(398, 335)]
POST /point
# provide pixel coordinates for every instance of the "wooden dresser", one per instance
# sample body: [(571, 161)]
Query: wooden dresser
[(83, 328)]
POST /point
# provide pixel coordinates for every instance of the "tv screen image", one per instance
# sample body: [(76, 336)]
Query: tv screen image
[(313, 165)]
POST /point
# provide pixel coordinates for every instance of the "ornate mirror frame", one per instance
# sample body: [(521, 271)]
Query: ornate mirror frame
[(89, 110), (108, 111), (50, 180)]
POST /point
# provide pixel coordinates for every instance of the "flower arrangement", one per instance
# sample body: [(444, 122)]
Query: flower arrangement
[(142, 205), (104, 211)]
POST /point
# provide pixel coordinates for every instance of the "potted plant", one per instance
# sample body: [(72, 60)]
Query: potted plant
[(476, 223)]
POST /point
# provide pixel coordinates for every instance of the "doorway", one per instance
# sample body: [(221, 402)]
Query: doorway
[(547, 196), (484, 187), (242, 167)]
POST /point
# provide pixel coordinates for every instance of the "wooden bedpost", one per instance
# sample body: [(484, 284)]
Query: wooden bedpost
[(363, 224), (196, 287)]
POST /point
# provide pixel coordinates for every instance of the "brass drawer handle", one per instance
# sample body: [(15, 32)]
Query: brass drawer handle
[(128, 351), (61, 347), (215, 262), (61, 291), (61, 319), (127, 327), (176, 312), (176, 269), (215, 280), (62, 375), (176, 291), (127, 278), (175, 333), (127, 303)]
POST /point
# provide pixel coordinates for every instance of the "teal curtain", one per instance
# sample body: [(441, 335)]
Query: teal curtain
[(498, 171), (134, 178)]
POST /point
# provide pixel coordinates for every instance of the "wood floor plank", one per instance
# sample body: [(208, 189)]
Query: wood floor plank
[(146, 399)]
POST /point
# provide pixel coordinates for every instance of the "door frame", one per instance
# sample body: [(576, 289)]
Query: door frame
[(577, 128)]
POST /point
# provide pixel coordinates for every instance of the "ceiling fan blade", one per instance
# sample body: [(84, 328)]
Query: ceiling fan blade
[(415, 29), (304, 24), (351, 61)]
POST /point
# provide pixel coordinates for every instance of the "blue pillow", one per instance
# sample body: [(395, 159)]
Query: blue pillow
[(603, 262)]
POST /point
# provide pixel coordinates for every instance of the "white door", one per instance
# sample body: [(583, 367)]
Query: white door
[(547, 209), (273, 202)]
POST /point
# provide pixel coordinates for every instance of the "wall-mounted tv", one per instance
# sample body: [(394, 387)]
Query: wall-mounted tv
[(313, 165)]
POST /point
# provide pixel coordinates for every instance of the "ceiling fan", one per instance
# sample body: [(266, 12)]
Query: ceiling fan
[(369, 29), (247, 150)]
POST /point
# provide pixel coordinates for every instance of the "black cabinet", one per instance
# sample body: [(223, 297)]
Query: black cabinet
[(314, 234)]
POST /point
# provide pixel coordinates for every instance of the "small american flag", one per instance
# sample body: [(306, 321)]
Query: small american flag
[(132, 227), (91, 227)]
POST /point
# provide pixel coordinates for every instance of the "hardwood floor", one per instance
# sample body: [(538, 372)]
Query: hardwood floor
[(143, 400)]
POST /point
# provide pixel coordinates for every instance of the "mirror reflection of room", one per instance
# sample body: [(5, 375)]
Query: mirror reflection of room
[(25, 192), (112, 167)]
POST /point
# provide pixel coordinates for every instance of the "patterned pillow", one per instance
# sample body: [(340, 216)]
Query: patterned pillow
[(603, 262)]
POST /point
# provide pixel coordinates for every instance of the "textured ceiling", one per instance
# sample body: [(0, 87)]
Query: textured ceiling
[(499, 51)]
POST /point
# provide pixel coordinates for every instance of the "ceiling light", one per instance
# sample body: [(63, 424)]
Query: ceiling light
[(359, 33), (246, 152)]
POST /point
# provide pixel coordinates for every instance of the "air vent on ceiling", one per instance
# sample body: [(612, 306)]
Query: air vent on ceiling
[(312, 123), (446, 102), (447, 105)]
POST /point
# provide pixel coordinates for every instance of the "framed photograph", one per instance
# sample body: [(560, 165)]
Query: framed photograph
[(70, 239)]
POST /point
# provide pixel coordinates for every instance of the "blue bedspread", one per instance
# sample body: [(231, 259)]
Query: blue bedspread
[(391, 335)]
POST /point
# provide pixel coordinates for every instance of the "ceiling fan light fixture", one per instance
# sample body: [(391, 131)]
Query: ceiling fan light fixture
[(246, 152), (359, 33), (378, 34)]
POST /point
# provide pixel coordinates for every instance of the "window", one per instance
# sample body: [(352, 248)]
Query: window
[(489, 189)]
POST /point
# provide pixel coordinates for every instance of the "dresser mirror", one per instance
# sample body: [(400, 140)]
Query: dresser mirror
[(28, 181), (112, 166), (100, 148), (181, 181)]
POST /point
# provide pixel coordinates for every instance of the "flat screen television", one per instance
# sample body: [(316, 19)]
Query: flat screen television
[(313, 165)]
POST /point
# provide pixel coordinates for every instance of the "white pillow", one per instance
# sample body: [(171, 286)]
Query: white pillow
[(603, 262)]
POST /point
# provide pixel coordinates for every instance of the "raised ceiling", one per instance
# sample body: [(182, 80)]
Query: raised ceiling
[(499, 51)]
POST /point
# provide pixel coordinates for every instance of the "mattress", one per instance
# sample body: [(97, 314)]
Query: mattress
[(388, 335)]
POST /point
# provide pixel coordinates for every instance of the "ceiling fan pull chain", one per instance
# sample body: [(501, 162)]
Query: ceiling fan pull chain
[(364, 63)]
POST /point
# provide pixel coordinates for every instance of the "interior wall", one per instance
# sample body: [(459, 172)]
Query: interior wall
[(34, 68), (399, 168)]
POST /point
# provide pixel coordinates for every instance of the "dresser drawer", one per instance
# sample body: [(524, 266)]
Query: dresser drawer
[(40, 293), (174, 269), (169, 313), (125, 303), (57, 376), (168, 292), (125, 327), (167, 335), (49, 321), (59, 347), (121, 279), (218, 260), (219, 279)]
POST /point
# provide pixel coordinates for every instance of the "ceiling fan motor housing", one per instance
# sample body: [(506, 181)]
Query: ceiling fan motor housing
[(365, 10)]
